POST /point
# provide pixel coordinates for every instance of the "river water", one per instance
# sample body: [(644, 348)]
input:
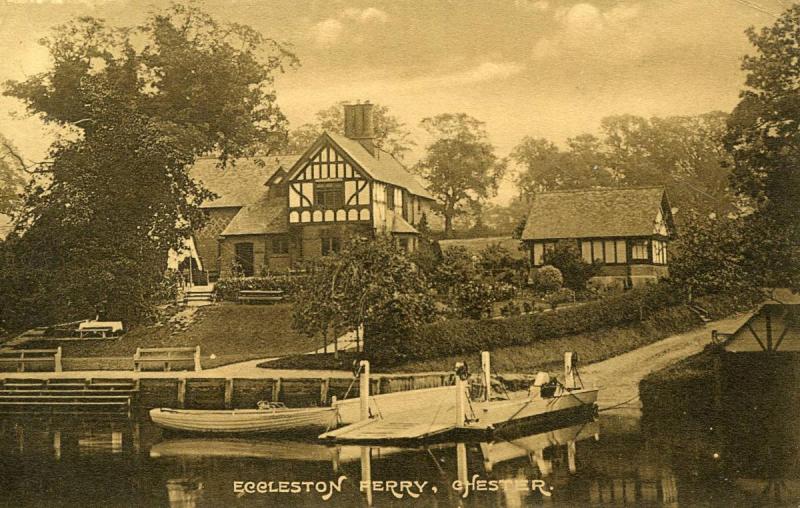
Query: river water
[(612, 460)]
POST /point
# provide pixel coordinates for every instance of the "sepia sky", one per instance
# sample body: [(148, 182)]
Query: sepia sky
[(545, 68)]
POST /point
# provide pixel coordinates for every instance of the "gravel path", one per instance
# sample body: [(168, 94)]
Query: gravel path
[(618, 377)]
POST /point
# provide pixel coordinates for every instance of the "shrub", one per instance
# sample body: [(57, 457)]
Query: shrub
[(512, 308), (547, 279), (228, 289), (576, 272), (563, 295), (464, 336), (475, 299)]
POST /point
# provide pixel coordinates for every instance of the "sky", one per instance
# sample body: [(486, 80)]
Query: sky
[(542, 68)]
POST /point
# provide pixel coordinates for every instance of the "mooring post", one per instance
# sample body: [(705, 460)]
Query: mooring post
[(461, 466), (363, 389), (460, 403), (486, 367), (571, 449), (181, 392), (228, 393), (570, 359), (366, 472), (57, 360)]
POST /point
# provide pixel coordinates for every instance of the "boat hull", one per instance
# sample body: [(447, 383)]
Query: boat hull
[(244, 421), (497, 413)]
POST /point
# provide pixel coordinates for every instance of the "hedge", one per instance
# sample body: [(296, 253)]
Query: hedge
[(658, 305), (228, 289)]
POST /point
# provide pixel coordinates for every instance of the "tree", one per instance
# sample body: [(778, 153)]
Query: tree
[(11, 177), (390, 133), (141, 104), (459, 165), (685, 154), (764, 137), (365, 284)]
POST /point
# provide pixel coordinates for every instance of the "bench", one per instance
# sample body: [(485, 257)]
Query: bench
[(99, 328), (260, 295), (29, 357), (166, 357)]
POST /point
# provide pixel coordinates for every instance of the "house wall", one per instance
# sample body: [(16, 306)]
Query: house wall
[(632, 273), (227, 248), (207, 238), (306, 241)]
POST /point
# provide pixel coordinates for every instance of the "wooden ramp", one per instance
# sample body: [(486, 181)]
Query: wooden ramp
[(388, 429)]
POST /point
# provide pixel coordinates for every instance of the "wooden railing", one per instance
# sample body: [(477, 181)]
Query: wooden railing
[(23, 358)]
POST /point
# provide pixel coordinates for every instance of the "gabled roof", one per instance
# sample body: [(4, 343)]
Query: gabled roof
[(398, 224), (241, 184), (618, 212), (265, 216), (383, 168)]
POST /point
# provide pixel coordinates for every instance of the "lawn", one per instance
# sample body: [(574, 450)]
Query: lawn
[(231, 332)]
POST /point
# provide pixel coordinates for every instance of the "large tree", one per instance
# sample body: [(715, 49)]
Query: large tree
[(12, 178), (390, 133), (369, 284), (764, 129), (460, 165), (139, 105), (685, 154)]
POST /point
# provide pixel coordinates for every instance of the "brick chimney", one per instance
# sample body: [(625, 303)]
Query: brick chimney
[(359, 125)]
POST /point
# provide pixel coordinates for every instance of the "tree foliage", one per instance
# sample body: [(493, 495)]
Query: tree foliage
[(391, 134), (12, 179), (139, 104), (685, 154), (370, 282), (460, 165), (764, 135)]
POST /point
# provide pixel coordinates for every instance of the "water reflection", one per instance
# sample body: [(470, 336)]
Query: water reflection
[(122, 462)]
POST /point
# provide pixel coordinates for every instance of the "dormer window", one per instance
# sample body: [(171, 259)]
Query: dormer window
[(329, 194)]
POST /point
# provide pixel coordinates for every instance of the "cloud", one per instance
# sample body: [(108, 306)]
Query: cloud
[(532, 5), (327, 32), (586, 28), (368, 15), (487, 71)]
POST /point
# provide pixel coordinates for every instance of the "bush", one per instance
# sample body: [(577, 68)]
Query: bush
[(228, 289), (475, 299), (567, 258), (464, 336), (563, 295), (547, 279)]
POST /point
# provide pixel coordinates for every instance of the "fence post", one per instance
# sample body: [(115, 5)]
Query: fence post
[(57, 360), (276, 390), (181, 392), (323, 390), (228, 393), (197, 366), (136, 366)]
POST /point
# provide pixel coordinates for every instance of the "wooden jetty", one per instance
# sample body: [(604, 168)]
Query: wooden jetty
[(452, 413), (66, 395)]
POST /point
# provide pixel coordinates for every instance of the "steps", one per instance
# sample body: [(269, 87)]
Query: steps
[(702, 313), (66, 395), (198, 297)]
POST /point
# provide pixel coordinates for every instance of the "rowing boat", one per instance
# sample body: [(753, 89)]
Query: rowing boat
[(236, 421)]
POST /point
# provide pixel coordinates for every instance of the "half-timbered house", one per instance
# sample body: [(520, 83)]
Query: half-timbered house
[(627, 229), (273, 213)]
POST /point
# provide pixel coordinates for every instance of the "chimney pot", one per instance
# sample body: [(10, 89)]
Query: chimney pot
[(359, 125)]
